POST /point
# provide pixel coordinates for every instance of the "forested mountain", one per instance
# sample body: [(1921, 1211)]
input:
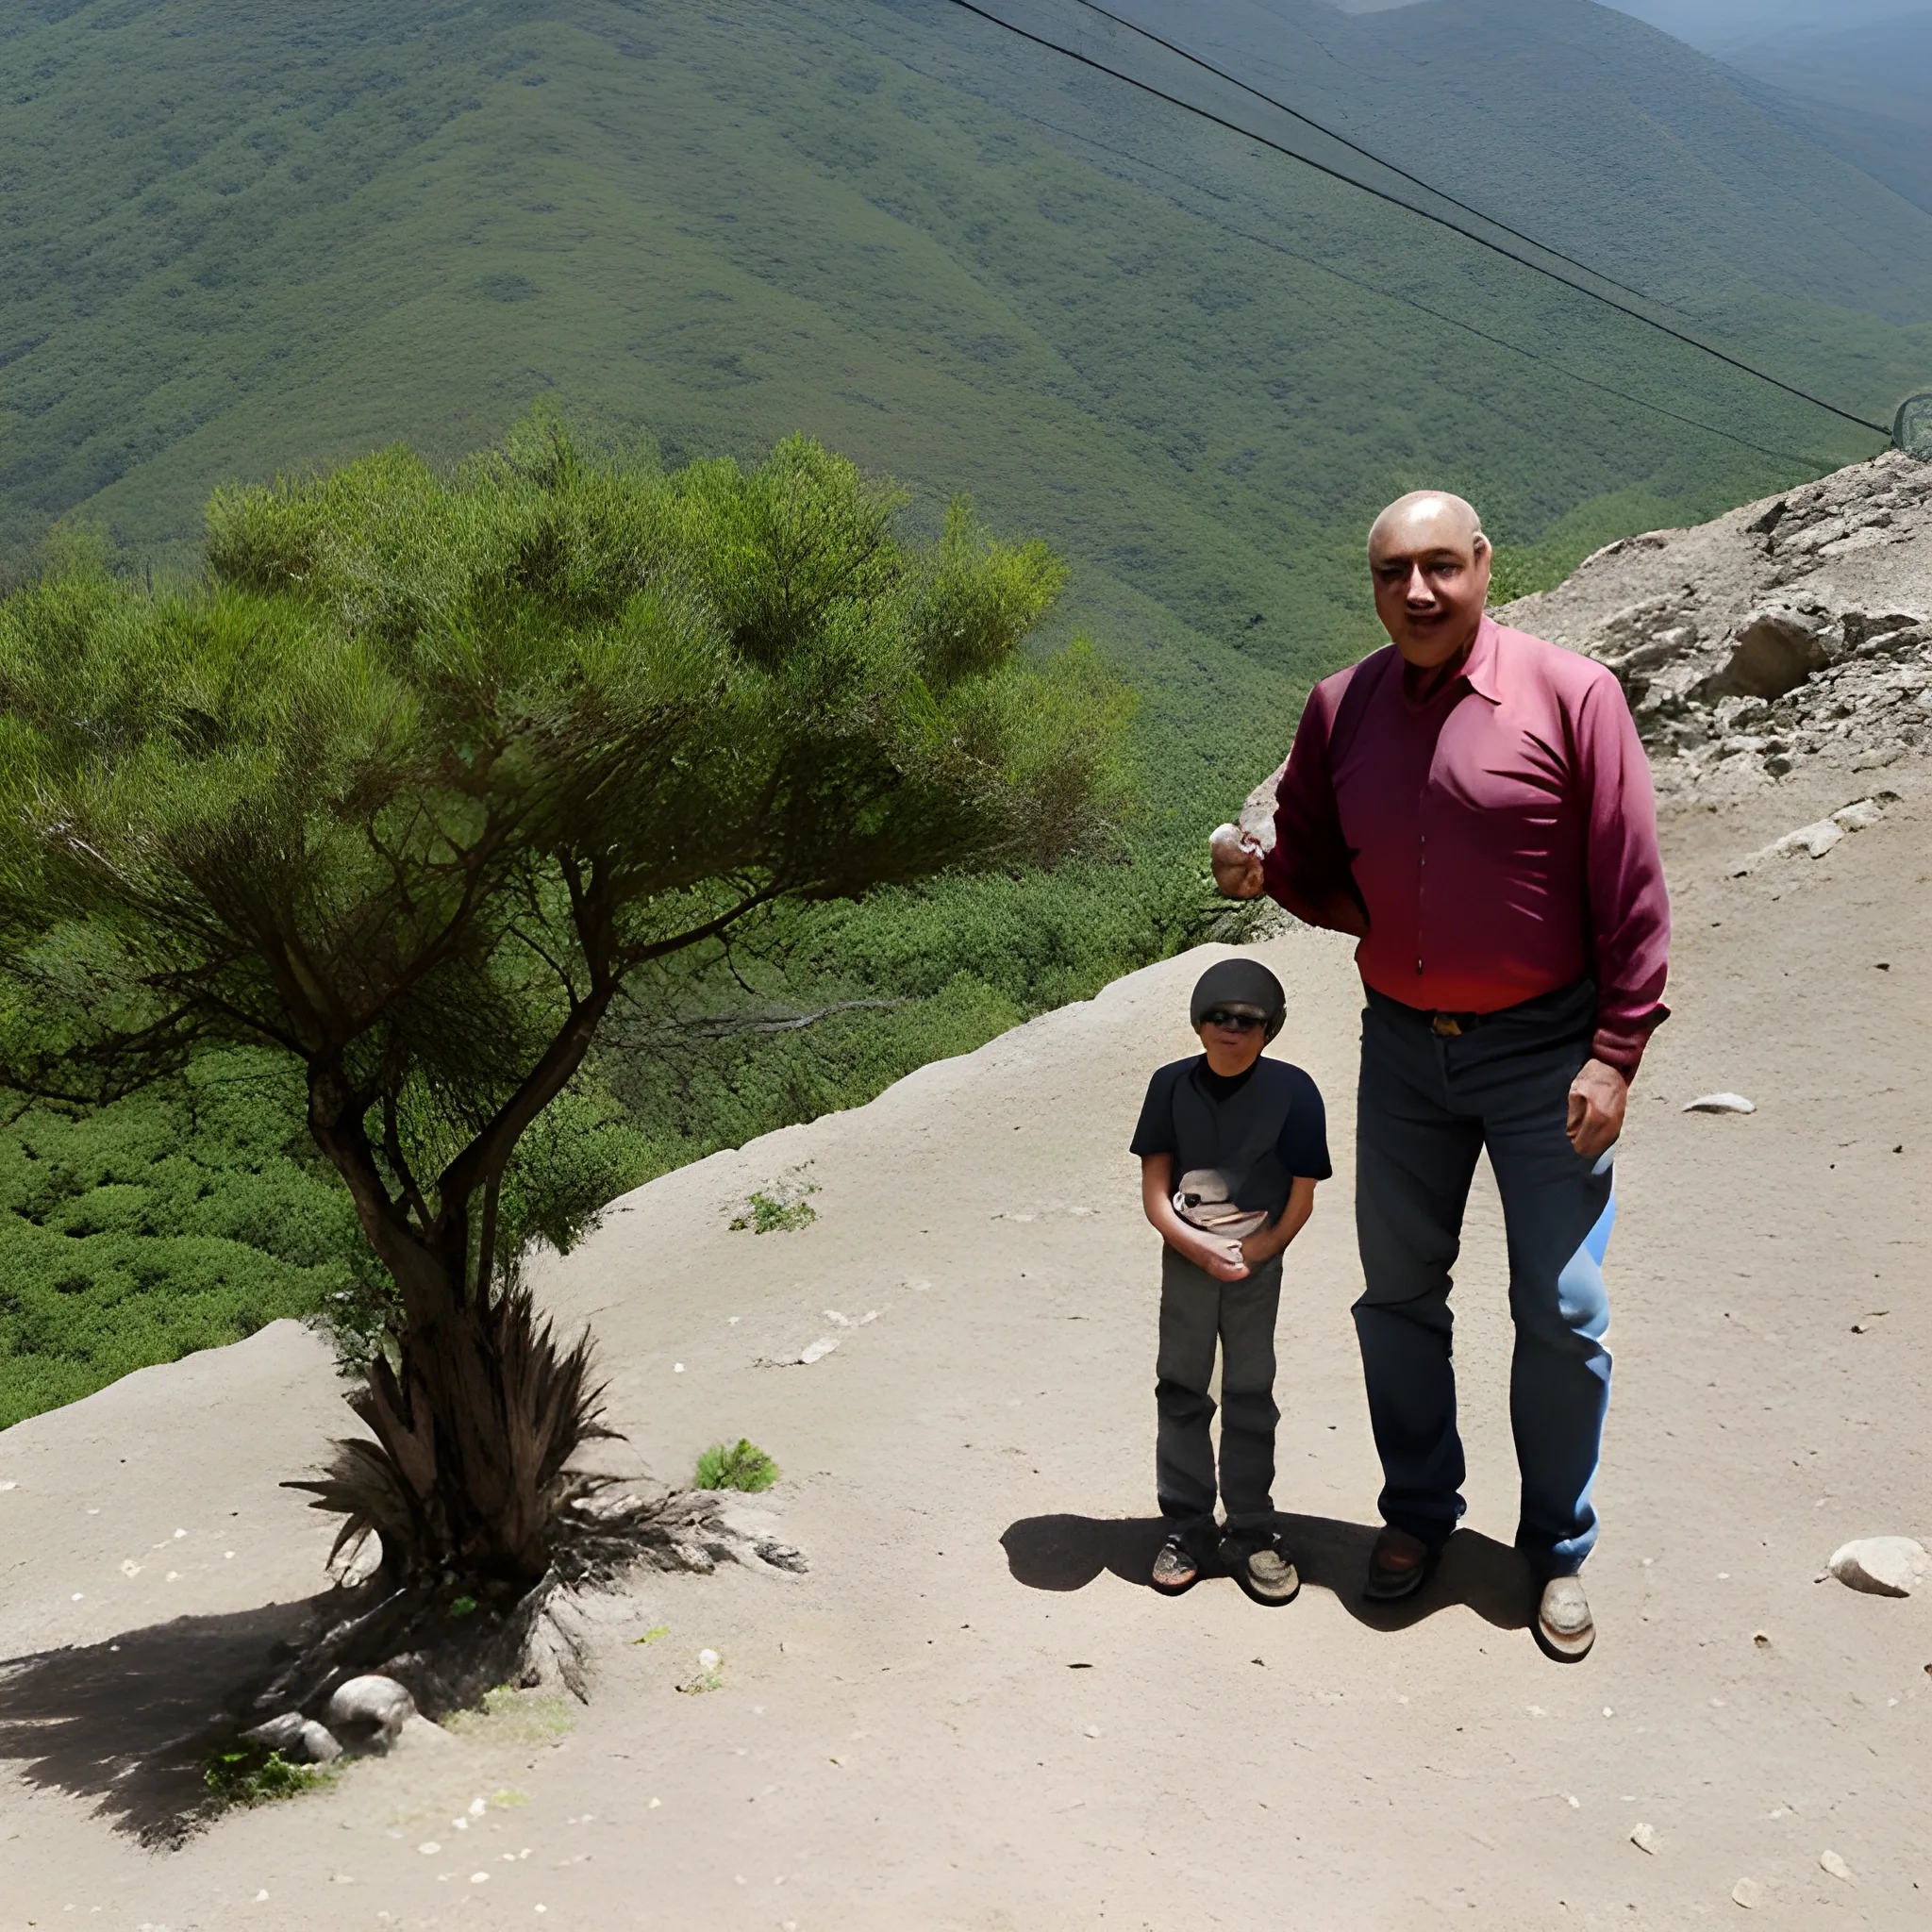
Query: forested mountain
[(242, 240)]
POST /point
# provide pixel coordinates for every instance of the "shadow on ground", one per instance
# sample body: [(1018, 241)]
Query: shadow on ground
[(1069, 1551), (130, 1722)]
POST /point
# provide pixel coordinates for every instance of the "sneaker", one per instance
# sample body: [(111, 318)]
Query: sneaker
[(1174, 1568), (1270, 1578), (1564, 1626)]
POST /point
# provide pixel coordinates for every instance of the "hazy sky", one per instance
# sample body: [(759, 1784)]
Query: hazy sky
[(1712, 23)]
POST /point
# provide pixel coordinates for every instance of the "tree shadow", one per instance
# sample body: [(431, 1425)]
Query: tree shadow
[(1476, 1572), (129, 1722)]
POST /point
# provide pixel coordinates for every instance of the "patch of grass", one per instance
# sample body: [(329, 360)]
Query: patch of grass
[(741, 1466), (243, 1775), (776, 1213), (653, 1636), (766, 1214), (514, 1716)]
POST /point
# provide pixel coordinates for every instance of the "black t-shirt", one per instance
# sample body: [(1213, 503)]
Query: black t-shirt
[(1301, 1142)]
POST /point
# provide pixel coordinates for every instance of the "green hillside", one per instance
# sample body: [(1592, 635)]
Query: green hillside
[(240, 240), (237, 240)]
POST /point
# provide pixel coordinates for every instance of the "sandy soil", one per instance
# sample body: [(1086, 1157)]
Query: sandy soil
[(970, 1713)]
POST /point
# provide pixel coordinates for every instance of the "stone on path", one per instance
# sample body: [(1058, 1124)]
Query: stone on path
[(1645, 1838), (370, 1708), (1747, 1892), (1882, 1565), (1830, 1862), (1720, 1103)]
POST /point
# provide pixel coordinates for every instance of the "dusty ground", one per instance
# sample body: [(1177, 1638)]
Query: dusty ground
[(970, 1713)]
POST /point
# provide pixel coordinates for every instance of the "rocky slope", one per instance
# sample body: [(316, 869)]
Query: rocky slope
[(1797, 629)]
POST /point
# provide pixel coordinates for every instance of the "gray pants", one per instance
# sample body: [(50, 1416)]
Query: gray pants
[(1196, 1311), (1427, 1107)]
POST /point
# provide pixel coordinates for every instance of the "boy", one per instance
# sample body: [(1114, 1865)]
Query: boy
[(1231, 1146)]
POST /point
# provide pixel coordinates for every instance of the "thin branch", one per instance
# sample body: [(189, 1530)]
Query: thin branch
[(726, 1028), (392, 1152), (486, 1256)]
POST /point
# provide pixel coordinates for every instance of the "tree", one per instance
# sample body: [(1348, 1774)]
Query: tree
[(418, 771)]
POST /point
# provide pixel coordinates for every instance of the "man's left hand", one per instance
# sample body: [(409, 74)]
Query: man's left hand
[(1596, 1107)]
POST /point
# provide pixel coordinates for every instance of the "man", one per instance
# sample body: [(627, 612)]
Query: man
[(1474, 805)]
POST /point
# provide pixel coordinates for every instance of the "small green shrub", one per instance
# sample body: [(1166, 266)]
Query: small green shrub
[(767, 1214), (744, 1466), (244, 1775)]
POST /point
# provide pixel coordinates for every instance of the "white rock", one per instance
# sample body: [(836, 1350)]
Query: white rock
[(817, 1351), (299, 1740), (1830, 1862), (1720, 1103), (278, 1733), (1882, 1565), (709, 1659), (1860, 813), (375, 1706), (1645, 1838), (1817, 839), (316, 1745), (1747, 1892)]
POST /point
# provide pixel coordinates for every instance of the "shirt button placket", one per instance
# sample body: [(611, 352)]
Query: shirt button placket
[(1422, 864)]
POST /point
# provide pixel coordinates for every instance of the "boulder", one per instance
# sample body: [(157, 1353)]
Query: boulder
[(1882, 1565), (298, 1738), (370, 1709), (1771, 651)]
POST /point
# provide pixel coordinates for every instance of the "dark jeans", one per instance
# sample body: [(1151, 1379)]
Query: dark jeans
[(1427, 1107), (1196, 1311)]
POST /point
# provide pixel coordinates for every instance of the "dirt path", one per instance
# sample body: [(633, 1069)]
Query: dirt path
[(970, 1713)]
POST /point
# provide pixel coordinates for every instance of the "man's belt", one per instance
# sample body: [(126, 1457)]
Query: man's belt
[(1454, 1025)]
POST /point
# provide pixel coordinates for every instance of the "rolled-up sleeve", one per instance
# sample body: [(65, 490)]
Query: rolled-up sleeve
[(1629, 909), (1309, 870)]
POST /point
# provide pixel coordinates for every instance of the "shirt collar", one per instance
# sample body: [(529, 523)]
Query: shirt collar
[(1482, 672)]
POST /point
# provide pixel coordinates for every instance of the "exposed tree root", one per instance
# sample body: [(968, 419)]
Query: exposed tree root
[(448, 1647)]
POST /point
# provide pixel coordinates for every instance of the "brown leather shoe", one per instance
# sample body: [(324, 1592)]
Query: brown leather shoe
[(1399, 1565)]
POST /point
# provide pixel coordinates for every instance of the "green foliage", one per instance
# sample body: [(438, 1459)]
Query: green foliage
[(178, 1219), (766, 1213), (471, 748), (740, 1466), (1194, 368), (419, 773), (241, 1775)]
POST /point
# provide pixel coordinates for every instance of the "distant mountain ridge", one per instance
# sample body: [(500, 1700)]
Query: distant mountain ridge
[(1863, 91), (240, 241)]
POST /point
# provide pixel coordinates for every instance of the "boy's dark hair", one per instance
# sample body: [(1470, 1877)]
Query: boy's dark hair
[(1240, 986)]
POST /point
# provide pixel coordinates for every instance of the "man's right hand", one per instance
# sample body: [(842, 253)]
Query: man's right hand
[(1237, 862)]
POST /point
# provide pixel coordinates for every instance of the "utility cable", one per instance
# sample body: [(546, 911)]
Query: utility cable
[(1482, 335), (1442, 221), (1367, 154)]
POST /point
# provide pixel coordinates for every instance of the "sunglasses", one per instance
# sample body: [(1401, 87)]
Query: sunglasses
[(1241, 1022)]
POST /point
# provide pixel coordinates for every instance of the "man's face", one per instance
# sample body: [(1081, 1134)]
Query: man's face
[(1431, 574)]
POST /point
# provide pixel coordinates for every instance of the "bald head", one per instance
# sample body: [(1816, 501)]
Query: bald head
[(1429, 562), (1427, 520)]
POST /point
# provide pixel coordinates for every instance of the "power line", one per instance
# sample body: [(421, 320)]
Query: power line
[(1367, 154), (1396, 201), (1482, 335)]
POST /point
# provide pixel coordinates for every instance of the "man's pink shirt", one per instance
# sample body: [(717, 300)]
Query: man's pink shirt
[(1488, 843)]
